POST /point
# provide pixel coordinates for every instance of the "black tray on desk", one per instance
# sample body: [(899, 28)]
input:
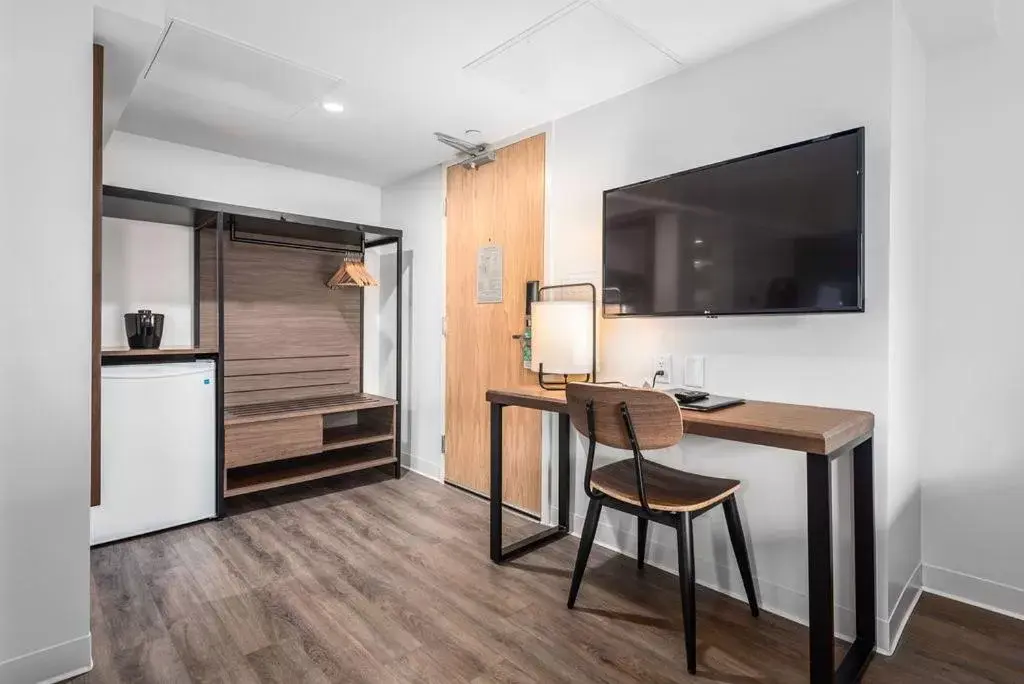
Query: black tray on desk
[(712, 403)]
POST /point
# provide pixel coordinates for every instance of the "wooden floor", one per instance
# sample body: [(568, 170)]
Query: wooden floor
[(377, 580)]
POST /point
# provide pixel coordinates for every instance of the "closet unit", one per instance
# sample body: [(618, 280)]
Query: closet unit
[(271, 298)]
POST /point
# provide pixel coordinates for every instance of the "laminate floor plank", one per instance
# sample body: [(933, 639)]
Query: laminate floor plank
[(207, 651), (286, 662), (129, 613), (370, 580), (156, 660), (421, 666), (505, 672)]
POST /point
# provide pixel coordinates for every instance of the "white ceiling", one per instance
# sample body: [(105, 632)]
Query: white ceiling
[(246, 77)]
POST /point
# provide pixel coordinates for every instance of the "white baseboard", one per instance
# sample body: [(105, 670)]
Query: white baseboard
[(69, 675), (903, 609), (425, 467), (976, 591), (51, 664), (773, 598)]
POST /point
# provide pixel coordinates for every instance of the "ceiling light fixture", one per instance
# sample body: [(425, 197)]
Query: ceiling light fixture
[(333, 107)]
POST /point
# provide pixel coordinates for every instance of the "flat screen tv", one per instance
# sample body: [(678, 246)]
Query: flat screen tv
[(776, 232)]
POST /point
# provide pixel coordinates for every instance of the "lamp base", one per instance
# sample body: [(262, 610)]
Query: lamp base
[(556, 386)]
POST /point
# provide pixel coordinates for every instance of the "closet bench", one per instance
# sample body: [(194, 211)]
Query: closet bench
[(273, 444)]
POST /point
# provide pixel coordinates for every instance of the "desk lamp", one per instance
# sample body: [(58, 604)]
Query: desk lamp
[(564, 336)]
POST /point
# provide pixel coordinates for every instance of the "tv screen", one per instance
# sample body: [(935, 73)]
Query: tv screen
[(776, 232)]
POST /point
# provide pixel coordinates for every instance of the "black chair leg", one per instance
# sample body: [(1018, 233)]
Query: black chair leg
[(641, 541), (688, 588), (586, 542), (739, 547)]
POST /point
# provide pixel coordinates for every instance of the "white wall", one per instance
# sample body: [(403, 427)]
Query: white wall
[(132, 161), (147, 266), (973, 447), (907, 231), (813, 79), (415, 205), (45, 276)]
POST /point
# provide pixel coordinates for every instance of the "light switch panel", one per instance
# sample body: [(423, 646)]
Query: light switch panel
[(693, 371)]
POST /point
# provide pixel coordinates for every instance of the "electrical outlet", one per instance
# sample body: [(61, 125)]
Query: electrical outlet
[(663, 363)]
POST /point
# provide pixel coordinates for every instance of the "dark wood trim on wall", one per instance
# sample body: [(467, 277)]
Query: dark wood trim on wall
[(97, 262)]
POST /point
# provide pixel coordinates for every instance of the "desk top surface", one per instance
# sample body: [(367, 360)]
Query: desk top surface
[(813, 429)]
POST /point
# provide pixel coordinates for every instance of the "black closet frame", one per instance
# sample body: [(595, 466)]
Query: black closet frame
[(378, 237)]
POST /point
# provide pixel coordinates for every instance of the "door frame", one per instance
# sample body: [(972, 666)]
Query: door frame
[(548, 424)]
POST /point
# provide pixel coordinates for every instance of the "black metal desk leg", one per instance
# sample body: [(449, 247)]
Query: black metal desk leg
[(501, 553), (863, 649), (496, 419), (563, 471), (864, 540), (821, 611)]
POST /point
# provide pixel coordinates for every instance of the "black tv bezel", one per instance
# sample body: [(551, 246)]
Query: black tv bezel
[(856, 308)]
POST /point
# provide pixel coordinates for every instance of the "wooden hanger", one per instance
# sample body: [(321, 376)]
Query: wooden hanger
[(352, 274)]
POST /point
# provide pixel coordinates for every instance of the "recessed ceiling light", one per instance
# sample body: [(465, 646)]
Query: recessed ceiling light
[(333, 107), (472, 132)]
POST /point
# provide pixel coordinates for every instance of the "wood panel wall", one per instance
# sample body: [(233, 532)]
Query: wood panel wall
[(286, 335), (207, 263)]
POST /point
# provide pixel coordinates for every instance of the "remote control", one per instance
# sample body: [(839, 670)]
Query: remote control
[(690, 396)]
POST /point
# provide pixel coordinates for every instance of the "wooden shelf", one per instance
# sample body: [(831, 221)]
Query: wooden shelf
[(293, 408), (162, 351), (280, 473), (354, 435)]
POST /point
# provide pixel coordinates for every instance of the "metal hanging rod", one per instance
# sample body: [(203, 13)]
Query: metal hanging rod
[(269, 242)]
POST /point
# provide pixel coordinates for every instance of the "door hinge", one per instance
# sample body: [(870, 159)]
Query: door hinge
[(444, 326), (445, 201), (442, 444)]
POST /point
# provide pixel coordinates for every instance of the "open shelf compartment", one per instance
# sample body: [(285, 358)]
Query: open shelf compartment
[(369, 425), (306, 468), (273, 445)]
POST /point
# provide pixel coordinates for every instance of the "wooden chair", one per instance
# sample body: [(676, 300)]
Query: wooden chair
[(635, 420)]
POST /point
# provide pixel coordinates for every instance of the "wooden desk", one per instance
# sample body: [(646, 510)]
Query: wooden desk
[(822, 433)]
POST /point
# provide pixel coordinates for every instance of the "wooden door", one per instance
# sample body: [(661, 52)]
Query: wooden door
[(500, 204)]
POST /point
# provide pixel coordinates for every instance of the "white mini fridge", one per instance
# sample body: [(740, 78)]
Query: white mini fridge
[(158, 441)]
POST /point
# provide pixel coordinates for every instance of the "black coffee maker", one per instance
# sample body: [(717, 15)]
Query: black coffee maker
[(144, 329)]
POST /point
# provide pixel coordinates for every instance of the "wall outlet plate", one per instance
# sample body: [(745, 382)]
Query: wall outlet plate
[(693, 371), (663, 362)]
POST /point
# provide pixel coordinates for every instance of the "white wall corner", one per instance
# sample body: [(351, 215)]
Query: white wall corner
[(426, 467), (415, 205), (889, 635), (973, 474), (52, 664)]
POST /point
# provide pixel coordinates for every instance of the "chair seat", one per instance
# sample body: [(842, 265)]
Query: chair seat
[(667, 489)]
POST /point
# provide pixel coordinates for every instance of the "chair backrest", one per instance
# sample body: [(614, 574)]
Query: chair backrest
[(655, 415)]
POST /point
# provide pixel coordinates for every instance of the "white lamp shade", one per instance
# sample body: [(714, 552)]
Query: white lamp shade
[(563, 337)]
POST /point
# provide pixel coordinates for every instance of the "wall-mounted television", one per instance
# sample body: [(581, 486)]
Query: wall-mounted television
[(776, 232)]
